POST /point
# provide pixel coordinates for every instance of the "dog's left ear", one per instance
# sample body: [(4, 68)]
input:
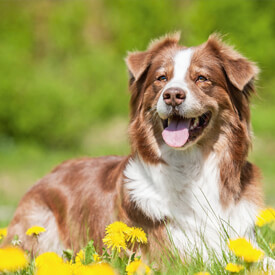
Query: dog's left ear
[(239, 70)]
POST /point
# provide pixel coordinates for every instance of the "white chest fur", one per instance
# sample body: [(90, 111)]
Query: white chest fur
[(186, 191)]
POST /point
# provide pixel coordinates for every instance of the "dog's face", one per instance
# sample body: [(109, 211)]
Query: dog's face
[(187, 100), (185, 96)]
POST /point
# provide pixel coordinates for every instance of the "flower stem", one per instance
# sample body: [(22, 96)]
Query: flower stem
[(114, 253), (131, 252)]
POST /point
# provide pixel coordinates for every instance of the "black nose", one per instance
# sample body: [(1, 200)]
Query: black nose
[(174, 96)]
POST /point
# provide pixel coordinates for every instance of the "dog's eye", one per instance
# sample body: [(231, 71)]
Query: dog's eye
[(201, 78), (162, 78)]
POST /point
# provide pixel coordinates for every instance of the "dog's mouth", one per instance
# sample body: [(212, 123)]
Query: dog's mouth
[(180, 130)]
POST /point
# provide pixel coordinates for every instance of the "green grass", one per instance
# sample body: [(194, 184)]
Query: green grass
[(263, 150)]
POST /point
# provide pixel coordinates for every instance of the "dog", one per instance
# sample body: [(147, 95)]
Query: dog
[(187, 179)]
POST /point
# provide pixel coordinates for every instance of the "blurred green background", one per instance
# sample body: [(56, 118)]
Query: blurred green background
[(63, 81)]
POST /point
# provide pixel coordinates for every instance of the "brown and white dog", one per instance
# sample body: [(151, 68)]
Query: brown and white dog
[(188, 171)]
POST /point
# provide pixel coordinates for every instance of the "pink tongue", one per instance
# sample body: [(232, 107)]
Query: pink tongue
[(177, 133)]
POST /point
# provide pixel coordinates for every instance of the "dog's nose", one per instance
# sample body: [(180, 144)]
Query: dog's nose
[(174, 96)]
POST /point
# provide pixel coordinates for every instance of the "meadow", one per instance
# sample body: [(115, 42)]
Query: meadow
[(63, 80)]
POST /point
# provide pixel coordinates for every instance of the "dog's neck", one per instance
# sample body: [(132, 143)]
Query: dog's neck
[(186, 179)]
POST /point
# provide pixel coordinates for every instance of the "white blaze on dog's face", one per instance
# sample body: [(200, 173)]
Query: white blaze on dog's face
[(180, 106), (185, 95)]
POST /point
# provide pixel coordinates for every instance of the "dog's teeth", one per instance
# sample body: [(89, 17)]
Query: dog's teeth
[(196, 122)]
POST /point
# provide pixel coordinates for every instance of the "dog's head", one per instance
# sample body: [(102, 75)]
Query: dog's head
[(186, 96)]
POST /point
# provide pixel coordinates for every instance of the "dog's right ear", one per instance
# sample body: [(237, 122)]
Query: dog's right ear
[(138, 62)]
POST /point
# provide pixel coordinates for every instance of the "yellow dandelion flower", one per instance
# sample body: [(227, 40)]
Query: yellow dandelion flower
[(51, 263), (80, 257), (48, 258), (265, 216), (75, 266), (115, 240), (12, 259), (137, 267), (136, 235), (245, 250), (57, 269), (96, 258), (3, 233), (35, 230), (202, 273), (234, 267), (96, 269), (117, 227)]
